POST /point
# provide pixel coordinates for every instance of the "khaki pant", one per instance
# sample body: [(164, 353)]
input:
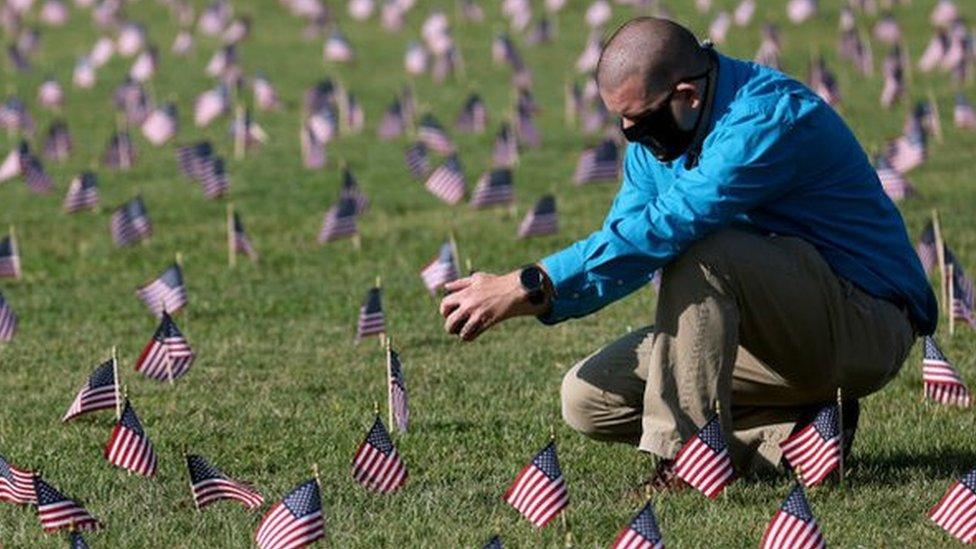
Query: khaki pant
[(759, 324)]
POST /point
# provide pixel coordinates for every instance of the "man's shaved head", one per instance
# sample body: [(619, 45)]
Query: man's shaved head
[(657, 51)]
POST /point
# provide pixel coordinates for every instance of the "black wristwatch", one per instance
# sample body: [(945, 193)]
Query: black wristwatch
[(535, 282)]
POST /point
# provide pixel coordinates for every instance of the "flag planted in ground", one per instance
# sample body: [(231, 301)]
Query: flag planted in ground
[(398, 402), (447, 181), (168, 355), (339, 221), (130, 223), (793, 525), (600, 163), (941, 381), (814, 451), (58, 512), (100, 392), (641, 533), (704, 461), (350, 189), (377, 465), (434, 136), (128, 447), (372, 321), (8, 321), (242, 243), (166, 294), (416, 159), (82, 193), (9, 257), (494, 188), (541, 220), (209, 485), (295, 521), (441, 270), (956, 511), (539, 491), (16, 485)]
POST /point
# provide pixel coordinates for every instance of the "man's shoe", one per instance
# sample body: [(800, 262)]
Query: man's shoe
[(662, 480)]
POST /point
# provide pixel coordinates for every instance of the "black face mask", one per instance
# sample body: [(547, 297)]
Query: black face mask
[(659, 131)]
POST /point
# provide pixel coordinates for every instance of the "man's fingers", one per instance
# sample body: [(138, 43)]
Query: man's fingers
[(448, 304), (456, 321), (458, 284)]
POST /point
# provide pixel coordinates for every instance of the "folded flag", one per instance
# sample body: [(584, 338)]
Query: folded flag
[(539, 491), (377, 465), (129, 447), (242, 243), (294, 522), (100, 392), (704, 462), (9, 257), (209, 484), (600, 163), (82, 193), (942, 383), (130, 223), (441, 270), (416, 158), (168, 355), (166, 294), (956, 511), (541, 220), (8, 321), (339, 221), (447, 181), (399, 404), (641, 533), (58, 512), (815, 451), (16, 485), (371, 318), (793, 525)]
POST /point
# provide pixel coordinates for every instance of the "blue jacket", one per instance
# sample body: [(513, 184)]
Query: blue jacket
[(777, 159)]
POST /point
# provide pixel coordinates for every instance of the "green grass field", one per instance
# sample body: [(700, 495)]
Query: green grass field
[(279, 384)]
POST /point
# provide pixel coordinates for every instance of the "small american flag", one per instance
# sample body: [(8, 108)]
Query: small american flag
[(242, 243), (372, 321), (14, 161), (955, 511), (58, 144), (493, 188), (337, 48), (494, 543), (339, 221), (815, 450), (247, 130), (351, 190), (539, 491), (447, 181), (130, 223), (963, 295), (57, 512), (120, 153), (161, 124), (168, 355), (213, 178), (473, 116), (894, 78), (894, 183), (415, 59), (416, 158), (8, 321), (75, 541), (377, 465), (129, 447), (525, 128), (441, 270), (313, 149), (823, 82), (942, 383), (165, 294), (100, 392), (265, 95), (392, 124), (926, 248), (208, 485), (793, 525), (909, 151), (600, 163), (82, 193), (963, 114), (192, 158), (16, 485), (50, 94), (541, 220), (704, 462), (399, 404), (504, 153), (9, 258), (431, 133), (34, 175), (295, 521), (211, 104), (641, 533)]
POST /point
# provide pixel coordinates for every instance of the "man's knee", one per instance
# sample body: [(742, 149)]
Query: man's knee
[(580, 402)]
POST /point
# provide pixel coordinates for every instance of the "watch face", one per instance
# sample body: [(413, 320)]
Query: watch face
[(531, 278)]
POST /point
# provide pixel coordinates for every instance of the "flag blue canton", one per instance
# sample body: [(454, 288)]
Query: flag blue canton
[(932, 351), (200, 470), (46, 494), (372, 304), (645, 525), (969, 480), (5, 470), (395, 372), (826, 422), (167, 329), (796, 505), (102, 376), (711, 435), (6, 247), (547, 462), (304, 500), (76, 541), (378, 438), (130, 421)]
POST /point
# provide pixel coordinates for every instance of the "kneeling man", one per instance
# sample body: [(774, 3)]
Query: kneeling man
[(787, 272)]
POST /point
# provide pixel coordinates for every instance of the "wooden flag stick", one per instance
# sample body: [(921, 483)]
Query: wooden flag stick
[(936, 118), (118, 392), (315, 474), (940, 255), (231, 248), (468, 267), (840, 434), (186, 456), (952, 313), (389, 384), (16, 251)]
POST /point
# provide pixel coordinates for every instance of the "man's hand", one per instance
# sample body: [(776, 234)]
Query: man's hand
[(481, 300)]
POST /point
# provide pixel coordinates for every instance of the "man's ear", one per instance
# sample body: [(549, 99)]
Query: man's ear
[(690, 94)]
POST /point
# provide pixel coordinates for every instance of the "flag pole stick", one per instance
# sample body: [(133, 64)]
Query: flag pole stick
[(389, 380), (936, 118), (239, 132), (468, 267), (231, 248), (940, 255), (952, 313), (840, 434), (189, 480), (16, 251), (315, 473), (118, 392)]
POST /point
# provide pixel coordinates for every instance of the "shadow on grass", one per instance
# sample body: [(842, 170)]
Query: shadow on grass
[(929, 464)]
